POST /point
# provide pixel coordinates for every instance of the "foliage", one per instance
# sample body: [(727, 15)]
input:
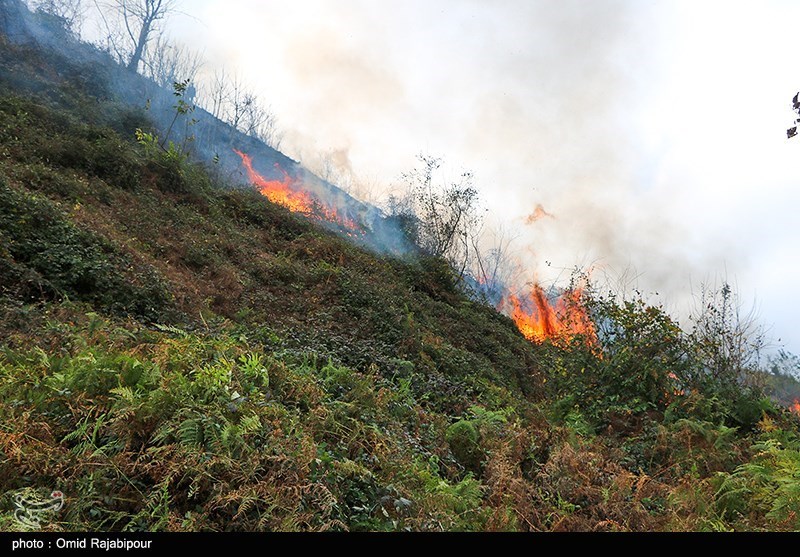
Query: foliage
[(463, 439), (791, 132), (183, 108), (441, 218), (44, 253), (638, 366), (170, 160), (782, 382), (179, 357), (764, 492), (645, 363)]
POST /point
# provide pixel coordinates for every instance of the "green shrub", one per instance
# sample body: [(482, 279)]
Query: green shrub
[(99, 152), (464, 441)]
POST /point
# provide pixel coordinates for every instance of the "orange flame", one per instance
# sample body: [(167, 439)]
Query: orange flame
[(283, 192), (538, 214), (289, 193), (561, 320), (795, 408)]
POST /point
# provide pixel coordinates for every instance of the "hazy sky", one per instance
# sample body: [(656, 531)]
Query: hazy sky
[(652, 131)]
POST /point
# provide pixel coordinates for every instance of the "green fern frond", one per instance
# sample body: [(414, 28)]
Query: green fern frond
[(250, 424), (190, 432), (171, 329), (124, 393)]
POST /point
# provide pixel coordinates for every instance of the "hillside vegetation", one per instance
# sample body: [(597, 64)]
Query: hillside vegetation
[(176, 354)]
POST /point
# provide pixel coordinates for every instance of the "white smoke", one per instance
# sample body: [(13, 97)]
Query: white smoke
[(623, 119)]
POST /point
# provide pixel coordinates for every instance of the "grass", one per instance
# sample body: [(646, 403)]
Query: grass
[(176, 355)]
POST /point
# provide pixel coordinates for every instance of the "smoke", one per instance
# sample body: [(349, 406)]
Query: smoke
[(549, 103), (609, 114), (538, 99)]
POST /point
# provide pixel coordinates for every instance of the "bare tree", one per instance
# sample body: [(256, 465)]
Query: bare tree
[(324, 166), (213, 94), (447, 216), (236, 102), (260, 122), (130, 26), (445, 210), (228, 98), (333, 166), (495, 266), (365, 188), (731, 339), (168, 63)]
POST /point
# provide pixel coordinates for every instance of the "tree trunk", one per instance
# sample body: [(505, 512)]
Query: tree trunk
[(138, 52)]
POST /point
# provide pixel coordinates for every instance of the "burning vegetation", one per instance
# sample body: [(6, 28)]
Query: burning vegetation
[(540, 318), (536, 317), (290, 193), (367, 392)]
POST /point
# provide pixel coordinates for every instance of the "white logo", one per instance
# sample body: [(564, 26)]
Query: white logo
[(33, 508)]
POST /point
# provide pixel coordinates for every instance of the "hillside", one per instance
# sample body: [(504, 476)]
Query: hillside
[(179, 353)]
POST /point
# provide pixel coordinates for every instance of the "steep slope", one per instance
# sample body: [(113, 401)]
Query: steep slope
[(178, 354), (357, 354), (57, 62)]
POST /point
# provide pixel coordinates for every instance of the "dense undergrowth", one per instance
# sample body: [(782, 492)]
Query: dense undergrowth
[(175, 355)]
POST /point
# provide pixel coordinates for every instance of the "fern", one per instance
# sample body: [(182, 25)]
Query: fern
[(253, 369), (245, 506), (81, 435), (770, 483), (156, 513), (172, 329), (124, 394), (163, 435), (250, 424), (190, 432)]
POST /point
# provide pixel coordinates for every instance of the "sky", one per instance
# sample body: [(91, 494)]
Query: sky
[(651, 132)]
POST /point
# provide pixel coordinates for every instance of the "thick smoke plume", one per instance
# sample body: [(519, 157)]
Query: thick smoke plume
[(538, 99)]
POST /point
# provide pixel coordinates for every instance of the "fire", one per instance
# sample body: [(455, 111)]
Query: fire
[(283, 192), (289, 193), (560, 320), (795, 407), (538, 214)]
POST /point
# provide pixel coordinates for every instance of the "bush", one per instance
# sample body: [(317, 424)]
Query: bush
[(463, 439), (99, 152), (645, 365)]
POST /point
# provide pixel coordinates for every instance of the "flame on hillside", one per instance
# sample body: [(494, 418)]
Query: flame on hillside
[(537, 318), (289, 192), (540, 319), (538, 214), (795, 407)]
